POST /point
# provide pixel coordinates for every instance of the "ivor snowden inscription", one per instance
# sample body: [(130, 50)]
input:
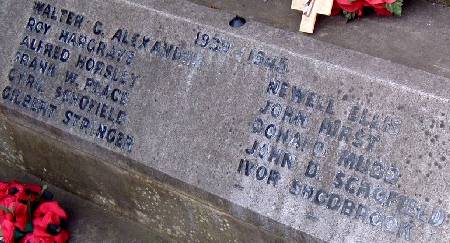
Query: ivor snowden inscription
[(312, 145), (359, 178)]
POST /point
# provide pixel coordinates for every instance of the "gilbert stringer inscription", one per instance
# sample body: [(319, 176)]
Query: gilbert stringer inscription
[(311, 145)]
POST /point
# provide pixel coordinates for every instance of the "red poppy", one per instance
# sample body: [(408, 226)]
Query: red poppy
[(16, 213), (7, 228), (39, 237), (23, 192), (380, 6), (381, 10), (357, 6), (374, 2), (48, 213), (4, 186)]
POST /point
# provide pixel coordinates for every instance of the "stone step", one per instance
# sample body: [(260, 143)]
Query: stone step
[(144, 198), (203, 101), (89, 222), (418, 39)]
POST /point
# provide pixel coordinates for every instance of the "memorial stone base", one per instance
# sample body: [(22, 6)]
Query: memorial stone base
[(163, 113)]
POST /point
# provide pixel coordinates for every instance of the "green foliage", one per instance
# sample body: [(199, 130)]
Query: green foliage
[(5, 209), (395, 7), (349, 15), (18, 234)]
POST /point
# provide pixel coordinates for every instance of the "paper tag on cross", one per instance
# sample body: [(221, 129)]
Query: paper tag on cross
[(310, 9)]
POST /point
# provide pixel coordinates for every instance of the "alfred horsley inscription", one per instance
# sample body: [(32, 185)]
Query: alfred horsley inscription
[(99, 77), (90, 96), (93, 69)]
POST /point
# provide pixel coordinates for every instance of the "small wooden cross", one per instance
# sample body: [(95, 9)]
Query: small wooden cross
[(310, 9)]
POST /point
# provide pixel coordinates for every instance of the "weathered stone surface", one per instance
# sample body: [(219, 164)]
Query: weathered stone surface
[(88, 222), (122, 189), (416, 39), (447, 2), (199, 94)]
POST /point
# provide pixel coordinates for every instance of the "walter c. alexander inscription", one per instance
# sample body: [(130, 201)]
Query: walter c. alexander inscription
[(97, 71), (302, 138)]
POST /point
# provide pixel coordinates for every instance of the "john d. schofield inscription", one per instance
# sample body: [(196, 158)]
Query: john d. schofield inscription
[(338, 150), (361, 178)]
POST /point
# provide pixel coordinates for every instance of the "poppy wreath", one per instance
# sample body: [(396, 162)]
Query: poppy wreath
[(28, 214), (355, 8)]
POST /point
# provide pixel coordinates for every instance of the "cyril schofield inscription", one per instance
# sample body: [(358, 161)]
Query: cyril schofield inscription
[(98, 73), (325, 141)]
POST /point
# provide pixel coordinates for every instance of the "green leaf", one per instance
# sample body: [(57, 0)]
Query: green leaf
[(7, 210), (29, 227), (18, 234), (395, 7), (349, 15)]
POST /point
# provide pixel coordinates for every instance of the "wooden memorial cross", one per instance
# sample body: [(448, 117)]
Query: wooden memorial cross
[(310, 9)]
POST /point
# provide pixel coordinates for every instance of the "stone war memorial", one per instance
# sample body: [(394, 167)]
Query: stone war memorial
[(195, 129)]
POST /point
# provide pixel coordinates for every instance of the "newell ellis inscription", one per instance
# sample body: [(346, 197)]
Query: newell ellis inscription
[(365, 176), (308, 143)]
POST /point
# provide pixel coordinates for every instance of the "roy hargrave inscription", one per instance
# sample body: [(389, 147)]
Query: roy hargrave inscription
[(94, 71), (93, 95), (284, 124), (76, 72)]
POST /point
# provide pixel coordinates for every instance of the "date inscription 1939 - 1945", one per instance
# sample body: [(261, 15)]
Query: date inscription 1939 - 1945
[(84, 82)]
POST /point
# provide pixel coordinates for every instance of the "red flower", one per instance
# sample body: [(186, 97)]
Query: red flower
[(380, 6), (381, 10), (46, 224), (14, 212), (48, 213), (40, 237), (4, 186), (7, 228), (374, 2), (23, 192), (357, 6)]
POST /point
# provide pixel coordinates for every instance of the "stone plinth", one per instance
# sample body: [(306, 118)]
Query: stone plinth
[(276, 129)]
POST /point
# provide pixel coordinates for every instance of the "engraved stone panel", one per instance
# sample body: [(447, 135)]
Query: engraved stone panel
[(334, 143)]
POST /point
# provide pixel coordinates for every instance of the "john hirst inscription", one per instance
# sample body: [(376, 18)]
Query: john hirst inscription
[(67, 70), (362, 177)]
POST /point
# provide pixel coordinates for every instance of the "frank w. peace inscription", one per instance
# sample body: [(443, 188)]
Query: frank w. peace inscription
[(317, 139)]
